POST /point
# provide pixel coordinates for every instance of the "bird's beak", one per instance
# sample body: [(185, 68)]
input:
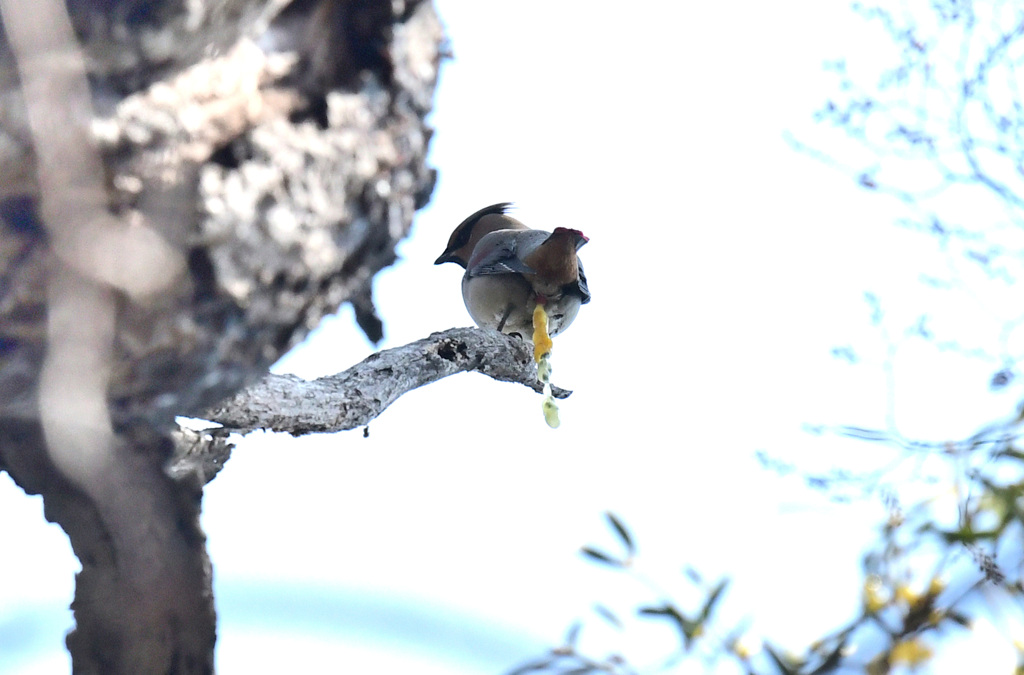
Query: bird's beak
[(447, 256)]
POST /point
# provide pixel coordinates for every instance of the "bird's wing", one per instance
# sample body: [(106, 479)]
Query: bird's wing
[(503, 254), (582, 283)]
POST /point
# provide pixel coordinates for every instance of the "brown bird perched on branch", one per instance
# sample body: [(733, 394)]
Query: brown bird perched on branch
[(510, 269)]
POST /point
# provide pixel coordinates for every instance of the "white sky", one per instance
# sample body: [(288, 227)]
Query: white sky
[(723, 266)]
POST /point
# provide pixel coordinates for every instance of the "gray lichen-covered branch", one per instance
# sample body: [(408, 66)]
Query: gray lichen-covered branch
[(356, 396)]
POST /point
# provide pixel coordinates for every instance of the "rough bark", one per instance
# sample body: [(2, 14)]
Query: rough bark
[(352, 398), (185, 190)]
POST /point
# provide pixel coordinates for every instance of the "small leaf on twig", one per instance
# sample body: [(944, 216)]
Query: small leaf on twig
[(573, 634), (621, 530), (601, 557), (607, 615)]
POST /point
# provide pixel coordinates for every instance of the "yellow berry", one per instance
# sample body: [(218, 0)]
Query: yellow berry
[(541, 340)]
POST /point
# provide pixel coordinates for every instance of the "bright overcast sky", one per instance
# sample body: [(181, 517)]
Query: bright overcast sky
[(723, 267)]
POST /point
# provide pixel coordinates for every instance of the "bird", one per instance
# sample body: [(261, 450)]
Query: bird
[(511, 269)]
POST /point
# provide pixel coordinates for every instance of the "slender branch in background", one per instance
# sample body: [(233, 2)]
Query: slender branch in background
[(941, 130)]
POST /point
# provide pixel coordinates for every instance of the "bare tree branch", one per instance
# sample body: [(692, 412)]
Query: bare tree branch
[(353, 398)]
